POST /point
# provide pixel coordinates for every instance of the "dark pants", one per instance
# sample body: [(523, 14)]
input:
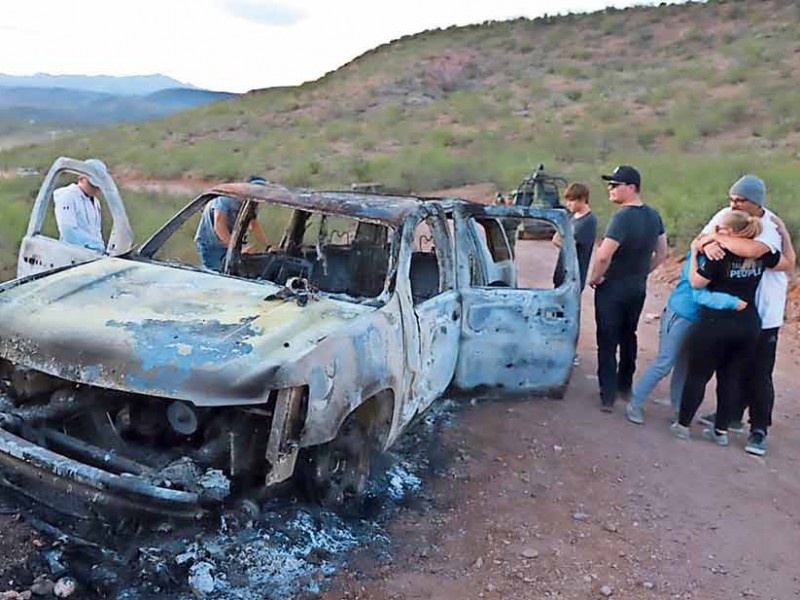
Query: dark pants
[(759, 393), (616, 310), (724, 345)]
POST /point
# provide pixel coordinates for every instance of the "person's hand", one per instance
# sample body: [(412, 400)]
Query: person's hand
[(740, 306), (250, 249), (779, 224), (556, 240), (593, 283), (714, 251), (697, 244)]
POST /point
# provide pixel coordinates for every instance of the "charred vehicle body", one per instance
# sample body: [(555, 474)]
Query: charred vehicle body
[(138, 380)]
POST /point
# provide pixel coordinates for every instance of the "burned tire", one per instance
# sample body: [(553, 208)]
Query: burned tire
[(335, 474)]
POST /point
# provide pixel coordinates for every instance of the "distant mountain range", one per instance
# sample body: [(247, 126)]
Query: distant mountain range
[(135, 85), (72, 100)]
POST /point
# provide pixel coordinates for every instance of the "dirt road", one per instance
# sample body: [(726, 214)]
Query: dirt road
[(555, 499)]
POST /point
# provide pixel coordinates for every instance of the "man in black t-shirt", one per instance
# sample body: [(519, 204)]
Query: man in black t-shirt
[(634, 244)]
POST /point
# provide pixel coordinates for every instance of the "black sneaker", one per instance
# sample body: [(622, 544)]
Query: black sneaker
[(757, 443)]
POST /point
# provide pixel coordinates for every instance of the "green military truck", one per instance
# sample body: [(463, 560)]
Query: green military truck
[(539, 189)]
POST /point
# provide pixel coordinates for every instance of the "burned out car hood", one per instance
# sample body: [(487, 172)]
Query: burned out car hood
[(162, 331)]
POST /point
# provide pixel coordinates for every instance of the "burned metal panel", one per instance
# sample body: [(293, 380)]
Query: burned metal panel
[(431, 324), (160, 331), (516, 340), (283, 444), (88, 486), (348, 367), (382, 208), (439, 324)]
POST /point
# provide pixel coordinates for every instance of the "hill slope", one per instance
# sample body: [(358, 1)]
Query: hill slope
[(694, 93)]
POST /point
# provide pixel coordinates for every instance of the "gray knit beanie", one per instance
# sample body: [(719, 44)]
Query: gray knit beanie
[(752, 188)]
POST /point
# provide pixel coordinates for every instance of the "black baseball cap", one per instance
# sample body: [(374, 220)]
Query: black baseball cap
[(625, 174)]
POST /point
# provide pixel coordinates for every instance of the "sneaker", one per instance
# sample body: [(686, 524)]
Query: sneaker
[(720, 438), (756, 443), (635, 414), (709, 419), (679, 431), (607, 408)]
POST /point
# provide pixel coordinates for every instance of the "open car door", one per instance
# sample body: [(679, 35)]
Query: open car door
[(40, 252), (514, 339)]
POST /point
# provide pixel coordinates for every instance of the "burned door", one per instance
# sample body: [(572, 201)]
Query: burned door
[(41, 251), (433, 341), (518, 333)]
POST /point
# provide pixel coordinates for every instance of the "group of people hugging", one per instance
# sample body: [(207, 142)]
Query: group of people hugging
[(723, 318)]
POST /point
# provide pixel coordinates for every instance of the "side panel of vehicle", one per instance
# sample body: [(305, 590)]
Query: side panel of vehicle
[(349, 367), (407, 347), (39, 252), (517, 340)]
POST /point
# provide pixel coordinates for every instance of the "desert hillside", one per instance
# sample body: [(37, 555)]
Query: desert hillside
[(694, 94)]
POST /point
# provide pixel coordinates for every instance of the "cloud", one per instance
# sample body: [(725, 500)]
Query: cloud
[(265, 13)]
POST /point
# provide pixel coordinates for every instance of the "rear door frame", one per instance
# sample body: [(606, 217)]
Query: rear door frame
[(515, 341)]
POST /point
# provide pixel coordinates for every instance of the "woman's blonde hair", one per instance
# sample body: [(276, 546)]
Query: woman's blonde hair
[(742, 224)]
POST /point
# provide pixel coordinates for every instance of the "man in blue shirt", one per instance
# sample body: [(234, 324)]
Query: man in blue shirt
[(216, 223)]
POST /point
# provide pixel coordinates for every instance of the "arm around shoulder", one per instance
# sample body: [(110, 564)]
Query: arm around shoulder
[(788, 256)]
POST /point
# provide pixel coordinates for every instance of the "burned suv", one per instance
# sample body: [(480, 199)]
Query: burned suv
[(139, 380)]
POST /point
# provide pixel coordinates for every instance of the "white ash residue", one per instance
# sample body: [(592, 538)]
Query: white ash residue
[(277, 562), (402, 481)]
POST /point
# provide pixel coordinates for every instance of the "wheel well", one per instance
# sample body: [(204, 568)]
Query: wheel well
[(376, 414)]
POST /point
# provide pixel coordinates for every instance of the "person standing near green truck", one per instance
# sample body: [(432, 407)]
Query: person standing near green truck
[(584, 223)]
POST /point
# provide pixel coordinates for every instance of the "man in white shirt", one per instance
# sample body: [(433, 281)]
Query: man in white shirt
[(750, 194), (78, 210)]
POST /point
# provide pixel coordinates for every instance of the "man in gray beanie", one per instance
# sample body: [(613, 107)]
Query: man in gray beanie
[(749, 194)]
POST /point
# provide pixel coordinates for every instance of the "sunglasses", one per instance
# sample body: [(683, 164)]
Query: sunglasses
[(614, 184)]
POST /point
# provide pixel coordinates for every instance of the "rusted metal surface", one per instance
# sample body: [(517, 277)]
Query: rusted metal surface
[(383, 208), (91, 485), (164, 332)]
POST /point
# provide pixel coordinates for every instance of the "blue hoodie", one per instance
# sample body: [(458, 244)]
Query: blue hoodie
[(686, 300)]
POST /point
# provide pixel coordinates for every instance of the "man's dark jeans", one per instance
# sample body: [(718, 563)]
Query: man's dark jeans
[(759, 393), (617, 307)]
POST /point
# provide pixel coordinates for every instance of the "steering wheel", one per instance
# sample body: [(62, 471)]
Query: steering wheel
[(283, 267)]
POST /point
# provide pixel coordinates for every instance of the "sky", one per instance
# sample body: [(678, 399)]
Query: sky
[(232, 45)]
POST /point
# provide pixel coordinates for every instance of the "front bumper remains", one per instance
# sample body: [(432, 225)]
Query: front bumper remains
[(85, 491)]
